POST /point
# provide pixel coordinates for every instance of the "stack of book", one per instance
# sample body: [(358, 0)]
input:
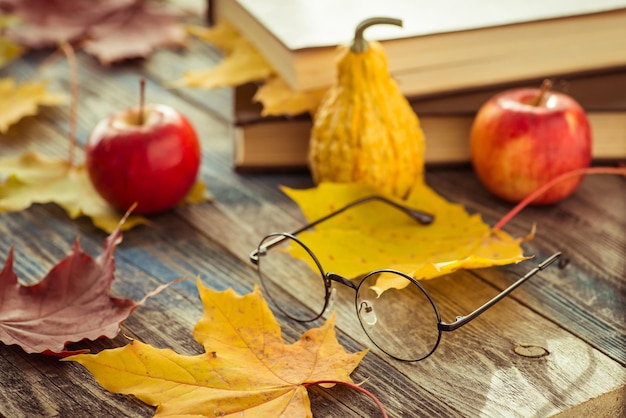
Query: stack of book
[(448, 59)]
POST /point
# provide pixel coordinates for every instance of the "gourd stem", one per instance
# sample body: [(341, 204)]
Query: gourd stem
[(359, 44)]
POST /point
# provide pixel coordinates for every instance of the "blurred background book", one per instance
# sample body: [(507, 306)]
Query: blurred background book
[(443, 46), (448, 59)]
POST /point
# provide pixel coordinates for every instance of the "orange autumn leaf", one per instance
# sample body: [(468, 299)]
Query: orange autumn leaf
[(34, 178), (246, 370), (20, 100), (69, 304), (376, 235)]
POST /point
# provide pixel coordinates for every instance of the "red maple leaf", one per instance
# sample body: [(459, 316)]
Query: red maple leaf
[(113, 29), (135, 31), (70, 304), (46, 22)]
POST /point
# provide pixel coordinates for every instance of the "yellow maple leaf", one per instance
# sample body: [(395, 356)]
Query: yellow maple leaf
[(278, 98), (9, 50), (242, 63), (34, 178), (222, 35), (376, 235), (246, 370), (18, 101)]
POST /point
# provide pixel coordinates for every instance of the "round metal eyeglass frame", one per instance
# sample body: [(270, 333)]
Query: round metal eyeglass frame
[(329, 278)]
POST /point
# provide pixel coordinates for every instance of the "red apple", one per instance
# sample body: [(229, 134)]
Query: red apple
[(523, 138), (151, 160)]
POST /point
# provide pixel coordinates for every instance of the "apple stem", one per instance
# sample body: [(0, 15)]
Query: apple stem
[(71, 60), (578, 172), (545, 87), (142, 95)]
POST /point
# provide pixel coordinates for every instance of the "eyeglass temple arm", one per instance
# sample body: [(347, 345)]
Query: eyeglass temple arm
[(462, 320), (421, 217)]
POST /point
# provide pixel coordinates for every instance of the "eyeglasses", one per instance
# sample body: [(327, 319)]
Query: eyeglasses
[(403, 323)]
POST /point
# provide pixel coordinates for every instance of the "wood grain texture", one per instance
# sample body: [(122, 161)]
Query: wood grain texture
[(575, 314), (588, 296)]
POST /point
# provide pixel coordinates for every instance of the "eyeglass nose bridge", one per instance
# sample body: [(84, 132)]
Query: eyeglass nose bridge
[(330, 302), (331, 292), (334, 277)]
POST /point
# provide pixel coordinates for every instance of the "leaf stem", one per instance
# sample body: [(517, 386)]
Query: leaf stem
[(355, 387), (48, 61), (71, 60), (574, 173)]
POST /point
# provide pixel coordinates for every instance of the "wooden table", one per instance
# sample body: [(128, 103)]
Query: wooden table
[(576, 312)]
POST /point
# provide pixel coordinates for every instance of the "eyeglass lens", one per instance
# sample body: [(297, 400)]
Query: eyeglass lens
[(284, 278), (401, 322)]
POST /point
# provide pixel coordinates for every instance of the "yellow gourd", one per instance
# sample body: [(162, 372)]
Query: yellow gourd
[(365, 131)]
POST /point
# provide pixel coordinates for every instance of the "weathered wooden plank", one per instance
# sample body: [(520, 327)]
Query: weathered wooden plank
[(162, 321), (168, 67), (468, 358), (475, 371), (588, 296), (478, 346)]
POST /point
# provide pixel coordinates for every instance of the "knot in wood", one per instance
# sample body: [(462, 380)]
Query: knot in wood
[(530, 350)]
